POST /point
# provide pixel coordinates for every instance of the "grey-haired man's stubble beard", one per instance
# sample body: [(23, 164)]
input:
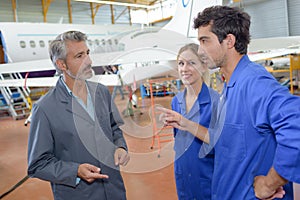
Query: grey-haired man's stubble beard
[(79, 75)]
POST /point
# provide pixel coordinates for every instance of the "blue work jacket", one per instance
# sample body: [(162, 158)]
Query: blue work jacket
[(193, 174), (260, 129)]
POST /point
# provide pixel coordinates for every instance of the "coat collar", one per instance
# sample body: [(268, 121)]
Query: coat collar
[(203, 96), (242, 64), (71, 103)]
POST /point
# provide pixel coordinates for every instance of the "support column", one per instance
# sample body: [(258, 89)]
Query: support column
[(70, 12), (112, 14), (14, 8), (45, 5), (94, 12)]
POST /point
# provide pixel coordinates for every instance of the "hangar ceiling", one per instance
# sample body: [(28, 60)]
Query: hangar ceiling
[(116, 8), (269, 18), (142, 2)]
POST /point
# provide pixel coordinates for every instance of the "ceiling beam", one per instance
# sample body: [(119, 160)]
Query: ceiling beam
[(45, 5), (70, 12), (129, 14), (14, 7), (112, 14), (117, 3), (153, 2), (94, 12), (117, 17)]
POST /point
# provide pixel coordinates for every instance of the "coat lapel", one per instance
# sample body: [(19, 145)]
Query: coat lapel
[(71, 103)]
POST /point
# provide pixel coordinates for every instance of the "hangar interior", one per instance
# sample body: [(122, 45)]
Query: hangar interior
[(269, 19)]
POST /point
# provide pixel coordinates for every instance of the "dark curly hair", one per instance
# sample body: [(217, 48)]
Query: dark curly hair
[(226, 20)]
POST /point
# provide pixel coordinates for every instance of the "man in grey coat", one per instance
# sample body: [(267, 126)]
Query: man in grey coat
[(75, 141)]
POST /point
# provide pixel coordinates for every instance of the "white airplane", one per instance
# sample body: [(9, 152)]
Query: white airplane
[(143, 53)]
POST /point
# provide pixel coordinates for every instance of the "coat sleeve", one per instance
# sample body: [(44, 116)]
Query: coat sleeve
[(116, 121), (42, 162), (274, 108)]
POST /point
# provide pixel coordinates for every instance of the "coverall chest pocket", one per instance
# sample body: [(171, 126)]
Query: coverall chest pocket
[(233, 141)]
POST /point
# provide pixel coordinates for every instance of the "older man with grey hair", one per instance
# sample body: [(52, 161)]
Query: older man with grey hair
[(75, 141)]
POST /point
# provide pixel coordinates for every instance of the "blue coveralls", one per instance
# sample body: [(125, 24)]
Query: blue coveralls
[(193, 174), (261, 130)]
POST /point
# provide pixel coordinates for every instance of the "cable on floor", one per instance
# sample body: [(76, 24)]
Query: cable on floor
[(14, 187)]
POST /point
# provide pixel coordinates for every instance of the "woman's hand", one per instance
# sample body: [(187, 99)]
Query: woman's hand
[(172, 118)]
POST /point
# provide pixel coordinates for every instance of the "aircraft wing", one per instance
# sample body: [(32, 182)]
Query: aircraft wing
[(274, 43), (138, 55), (108, 80), (27, 66), (272, 54), (101, 59), (136, 74), (267, 48), (148, 72), (32, 82)]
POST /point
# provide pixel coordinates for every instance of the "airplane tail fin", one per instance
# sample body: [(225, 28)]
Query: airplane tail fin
[(186, 11)]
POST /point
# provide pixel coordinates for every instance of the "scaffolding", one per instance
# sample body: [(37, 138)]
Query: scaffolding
[(14, 100), (159, 136), (132, 104)]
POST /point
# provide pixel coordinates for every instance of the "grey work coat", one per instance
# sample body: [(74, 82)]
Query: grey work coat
[(63, 136)]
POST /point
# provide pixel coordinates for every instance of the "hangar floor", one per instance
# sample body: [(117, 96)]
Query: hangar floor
[(146, 177)]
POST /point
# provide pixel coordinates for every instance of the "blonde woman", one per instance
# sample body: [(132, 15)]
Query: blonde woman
[(195, 103)]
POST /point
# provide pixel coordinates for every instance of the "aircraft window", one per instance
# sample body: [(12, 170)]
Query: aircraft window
[(121, 47), (32, 44), (22, 44), (90, 42), (116, 41), (49, 42), (109, 42), (97, 42), (103, 42), (42, 43)]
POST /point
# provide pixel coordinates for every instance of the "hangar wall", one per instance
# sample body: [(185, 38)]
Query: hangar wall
[(6, 14), (294, 17), (270, 18), (273, 18), (31, 11)]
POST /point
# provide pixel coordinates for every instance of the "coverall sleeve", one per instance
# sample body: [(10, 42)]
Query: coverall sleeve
[(275, 109)]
